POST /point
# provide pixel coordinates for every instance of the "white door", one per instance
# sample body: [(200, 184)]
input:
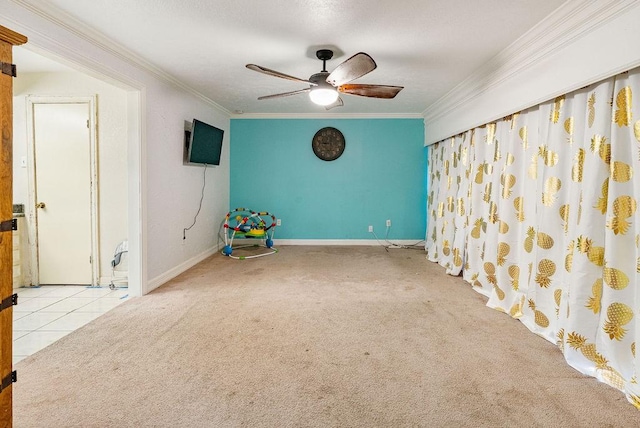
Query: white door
[(62, 170)]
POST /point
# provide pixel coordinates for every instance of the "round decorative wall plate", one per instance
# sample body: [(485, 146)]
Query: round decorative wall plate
[(328, 144)]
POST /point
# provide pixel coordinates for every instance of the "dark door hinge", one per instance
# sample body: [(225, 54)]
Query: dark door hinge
[(8, 380), (9, 225), (8, 302), (8, 69)]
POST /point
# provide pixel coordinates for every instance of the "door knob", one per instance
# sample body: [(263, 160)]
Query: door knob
[(41, 205)]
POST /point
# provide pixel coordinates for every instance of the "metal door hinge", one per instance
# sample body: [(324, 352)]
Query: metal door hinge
[(8, 69), (9, 225), (8, 302), (9, 379)]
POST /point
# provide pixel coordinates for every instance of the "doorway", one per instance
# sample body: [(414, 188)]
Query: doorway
[(63, 190)]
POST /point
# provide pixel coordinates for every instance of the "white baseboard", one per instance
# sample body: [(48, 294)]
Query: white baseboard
[(182, 267), (364, 242)]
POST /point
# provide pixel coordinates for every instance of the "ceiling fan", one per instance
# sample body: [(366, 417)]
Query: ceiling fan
[(325, 88)]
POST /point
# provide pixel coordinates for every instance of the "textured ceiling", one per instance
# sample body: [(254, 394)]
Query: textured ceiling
[(427, 46)]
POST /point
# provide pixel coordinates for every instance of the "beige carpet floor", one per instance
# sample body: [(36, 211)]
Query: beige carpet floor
[(310, 337)]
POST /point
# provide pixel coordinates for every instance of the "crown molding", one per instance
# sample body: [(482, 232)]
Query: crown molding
[(569, 22), (327, 116), (97, 39)]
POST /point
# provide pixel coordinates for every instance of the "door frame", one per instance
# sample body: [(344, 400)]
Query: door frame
[(31, 101)]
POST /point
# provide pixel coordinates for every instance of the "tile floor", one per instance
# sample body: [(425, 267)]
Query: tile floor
[(48, 313)]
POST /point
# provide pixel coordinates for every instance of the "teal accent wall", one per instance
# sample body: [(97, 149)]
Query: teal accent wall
[(381, 175)]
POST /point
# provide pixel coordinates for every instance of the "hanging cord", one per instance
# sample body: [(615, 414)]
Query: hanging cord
[(392, 245), (204, 184)]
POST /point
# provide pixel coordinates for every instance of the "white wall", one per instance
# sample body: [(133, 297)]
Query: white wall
[(581, 43), (163, 193), (112, 150)]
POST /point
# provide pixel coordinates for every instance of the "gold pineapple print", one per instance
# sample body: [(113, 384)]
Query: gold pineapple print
[(568, 125), (623, 208), (621, 172), (474, 280), (518, 203), (560, 341), (496, 155), (544, 241), (540, 318), (487, 192), (457, 260), (491, 133), (636, 130), (523, 136), (618, 314), (557, 106), (594, 254), (440, 209), (503, 252), (528, 241), (578, 166), (579, 342), (557, 297), (623, 114), (514, 120), (594, 302), (605, 153), (591, 102), (601, 205), (568, 260), (514, 274), (516, 309), (615, 278), (461, 210), (502, 227), (445, 248), (546, 269), (549, 157), (564, 215), (490, 270), (480, 174), (446, 167), (450, 204), (510, 159), (552, 186), (597, 141), (493, 213), (507, 181), (478, 226), (635, 400)]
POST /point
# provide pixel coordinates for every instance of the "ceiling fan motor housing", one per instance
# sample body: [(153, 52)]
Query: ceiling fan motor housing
[(324, 55)]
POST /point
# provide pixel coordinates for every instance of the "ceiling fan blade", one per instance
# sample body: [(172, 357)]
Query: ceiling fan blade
[(352, 68), (337, 103), (284, 94), (274, 73), (373, 91)]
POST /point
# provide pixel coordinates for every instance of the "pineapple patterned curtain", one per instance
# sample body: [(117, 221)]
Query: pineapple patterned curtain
[(538, 211)]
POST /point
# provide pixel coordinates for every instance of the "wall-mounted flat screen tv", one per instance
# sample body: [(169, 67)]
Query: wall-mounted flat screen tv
[(203, 144)]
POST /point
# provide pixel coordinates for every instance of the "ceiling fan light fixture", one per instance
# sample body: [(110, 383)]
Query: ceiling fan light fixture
[(323, 96)]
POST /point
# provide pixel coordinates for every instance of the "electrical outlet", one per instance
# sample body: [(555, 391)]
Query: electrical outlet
[(388, 223), (370, 228), (278, 222)]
